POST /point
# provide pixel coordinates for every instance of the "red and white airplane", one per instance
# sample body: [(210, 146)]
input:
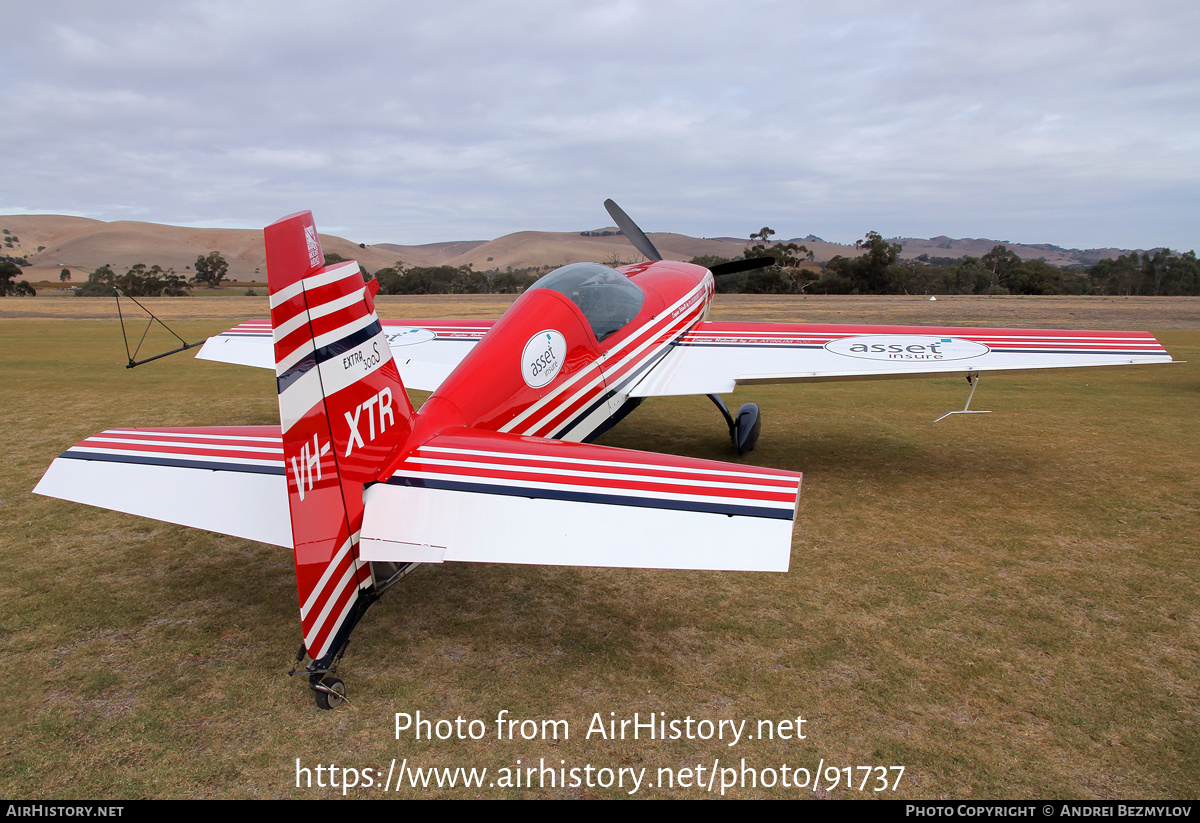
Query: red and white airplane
[(495, 467)]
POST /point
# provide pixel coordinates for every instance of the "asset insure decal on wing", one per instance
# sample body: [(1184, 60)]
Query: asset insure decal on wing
[(543, 357), (906, 347)]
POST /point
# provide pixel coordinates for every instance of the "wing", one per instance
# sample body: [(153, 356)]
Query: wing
[(425, 351), (228, 480), (501, 498), (714, 358)]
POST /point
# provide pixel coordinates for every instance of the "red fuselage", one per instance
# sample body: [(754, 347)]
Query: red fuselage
[(563, 359)]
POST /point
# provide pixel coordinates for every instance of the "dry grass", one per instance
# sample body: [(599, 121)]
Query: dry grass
[(954, 310), (1004, 604)]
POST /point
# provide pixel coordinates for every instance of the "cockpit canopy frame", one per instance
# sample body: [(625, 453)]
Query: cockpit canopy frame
[(608, 299)]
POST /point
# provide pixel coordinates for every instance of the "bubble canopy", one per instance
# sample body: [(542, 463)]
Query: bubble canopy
[(608, 299)]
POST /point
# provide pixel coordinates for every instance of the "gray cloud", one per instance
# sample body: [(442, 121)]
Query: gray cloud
[(1074, 123)]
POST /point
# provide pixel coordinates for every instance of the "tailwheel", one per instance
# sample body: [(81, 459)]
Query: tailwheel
[(329, 692)]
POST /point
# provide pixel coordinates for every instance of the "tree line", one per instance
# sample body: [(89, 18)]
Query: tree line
[(399, 279), (154, 281), (877, 269)]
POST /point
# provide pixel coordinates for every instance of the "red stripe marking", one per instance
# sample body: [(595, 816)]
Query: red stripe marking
[(697, 471), (336, 320), (337, 615), (240, 453), (647, 487), (510, 448), (326, 627), (715, 472)]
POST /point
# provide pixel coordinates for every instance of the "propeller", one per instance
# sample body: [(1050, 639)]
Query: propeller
[(642, 243), (735, 266), (635, 235)]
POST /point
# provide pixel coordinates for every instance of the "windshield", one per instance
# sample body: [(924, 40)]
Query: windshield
[(608, 299)]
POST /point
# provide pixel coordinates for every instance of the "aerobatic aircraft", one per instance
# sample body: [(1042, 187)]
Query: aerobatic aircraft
[(496, 466)]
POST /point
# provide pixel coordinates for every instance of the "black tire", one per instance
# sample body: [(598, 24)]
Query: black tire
[(330, 693)]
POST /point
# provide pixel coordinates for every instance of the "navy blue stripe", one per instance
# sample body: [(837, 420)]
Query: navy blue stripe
[(626, 409), (729, 509), (447, 339), (326, 353), (438, 339), (635, 374), (347, 343), (182, 463), (297, 371)]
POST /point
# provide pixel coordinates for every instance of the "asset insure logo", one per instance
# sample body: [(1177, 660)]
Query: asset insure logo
[(543, 357), (906, 347)]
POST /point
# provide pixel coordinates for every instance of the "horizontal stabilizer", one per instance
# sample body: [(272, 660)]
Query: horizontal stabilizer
[(248, 344), (498, 498), (425, 351), (228, 480)]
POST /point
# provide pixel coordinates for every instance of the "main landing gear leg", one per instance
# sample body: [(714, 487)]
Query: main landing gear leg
[(745, 428)]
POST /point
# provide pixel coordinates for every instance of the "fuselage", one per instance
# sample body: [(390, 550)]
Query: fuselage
[(561, 362)]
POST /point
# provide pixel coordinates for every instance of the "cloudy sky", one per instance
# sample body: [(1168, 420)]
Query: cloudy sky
[(1074, 123)]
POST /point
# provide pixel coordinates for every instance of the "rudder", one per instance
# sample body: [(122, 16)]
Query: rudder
[(342, 408)]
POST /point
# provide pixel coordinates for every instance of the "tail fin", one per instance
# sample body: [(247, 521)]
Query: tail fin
[(342, 409)]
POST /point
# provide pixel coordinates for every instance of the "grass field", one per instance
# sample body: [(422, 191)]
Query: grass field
[(1006, 604)]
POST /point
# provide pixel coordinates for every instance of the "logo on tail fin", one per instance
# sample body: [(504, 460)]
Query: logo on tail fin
[(314, 246)]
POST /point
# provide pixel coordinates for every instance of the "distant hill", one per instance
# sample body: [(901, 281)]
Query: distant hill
[(50, 242), (942, 246), (82, 245)]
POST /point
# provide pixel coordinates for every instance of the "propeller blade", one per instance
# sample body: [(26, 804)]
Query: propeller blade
[(735, 266), (635, 235)]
